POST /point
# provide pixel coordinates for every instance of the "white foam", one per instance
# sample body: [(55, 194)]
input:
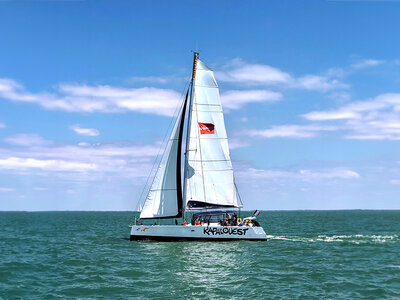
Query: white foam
[(356, 239)]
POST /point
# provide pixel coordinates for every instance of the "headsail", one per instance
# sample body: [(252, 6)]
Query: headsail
[(208, 172), (165, 196)]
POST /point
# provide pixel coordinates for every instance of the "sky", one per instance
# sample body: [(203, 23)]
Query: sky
[(310, 91)]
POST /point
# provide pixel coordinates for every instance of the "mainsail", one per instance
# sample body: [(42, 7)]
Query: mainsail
[(208, 170), (164, 199), (208, 173)]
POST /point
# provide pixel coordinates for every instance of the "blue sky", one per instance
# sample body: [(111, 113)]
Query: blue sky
[(310, 89)]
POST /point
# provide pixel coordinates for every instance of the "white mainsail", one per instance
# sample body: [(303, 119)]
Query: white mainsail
[(208, 171), (162, 199)]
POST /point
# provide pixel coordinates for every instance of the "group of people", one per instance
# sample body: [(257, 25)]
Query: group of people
[(230, 220), (200, 221), (227, 221)]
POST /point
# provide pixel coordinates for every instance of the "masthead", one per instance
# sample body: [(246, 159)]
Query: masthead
[(196, 56)]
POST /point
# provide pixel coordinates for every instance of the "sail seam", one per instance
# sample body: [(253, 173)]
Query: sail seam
[(208, 104), (209, 160), (212, 111), (207, 86), (213, 138), (219, 170)]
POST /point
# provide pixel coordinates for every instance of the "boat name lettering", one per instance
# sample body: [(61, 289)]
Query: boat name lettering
[(224, 230)]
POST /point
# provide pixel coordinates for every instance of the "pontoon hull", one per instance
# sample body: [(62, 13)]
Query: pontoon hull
[(188, 232)]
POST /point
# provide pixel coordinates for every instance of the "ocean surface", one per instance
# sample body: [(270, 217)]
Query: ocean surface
[(309, 255)]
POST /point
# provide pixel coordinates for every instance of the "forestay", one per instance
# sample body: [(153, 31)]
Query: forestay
[(209, 175)]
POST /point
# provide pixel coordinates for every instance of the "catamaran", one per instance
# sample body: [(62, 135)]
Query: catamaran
[(209, 196)]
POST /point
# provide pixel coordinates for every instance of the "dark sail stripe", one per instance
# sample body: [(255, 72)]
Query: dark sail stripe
[(179, 197)]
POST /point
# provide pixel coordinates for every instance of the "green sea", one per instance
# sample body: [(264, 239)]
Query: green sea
[(309, 255)]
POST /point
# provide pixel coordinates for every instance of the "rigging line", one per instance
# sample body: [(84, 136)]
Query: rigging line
[(179, 104), (209, 160)]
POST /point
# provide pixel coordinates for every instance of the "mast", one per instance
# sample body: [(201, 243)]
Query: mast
[(196, 56)]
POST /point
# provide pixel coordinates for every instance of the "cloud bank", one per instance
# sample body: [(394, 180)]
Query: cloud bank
[(240, 72)]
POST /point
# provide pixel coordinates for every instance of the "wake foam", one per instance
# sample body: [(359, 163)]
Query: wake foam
[(355, 239)]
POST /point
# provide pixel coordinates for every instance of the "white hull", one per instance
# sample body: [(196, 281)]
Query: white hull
[(189, 232)]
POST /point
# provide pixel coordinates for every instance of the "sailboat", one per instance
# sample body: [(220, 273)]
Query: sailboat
[(207, 193)]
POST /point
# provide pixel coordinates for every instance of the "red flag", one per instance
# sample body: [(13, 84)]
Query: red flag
[(206, 128)]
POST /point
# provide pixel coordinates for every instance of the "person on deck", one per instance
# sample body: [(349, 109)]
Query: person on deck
[(234, 220)]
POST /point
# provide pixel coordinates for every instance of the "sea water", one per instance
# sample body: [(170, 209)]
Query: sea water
[(309, 255)]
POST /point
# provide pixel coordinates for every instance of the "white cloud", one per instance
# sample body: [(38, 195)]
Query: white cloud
[(353, 68), (85, 131), (303, 175), (329, 174), (27, 139), (252, 173), (395, 181), (109, 99), (100, 98), (236, 143), (51, 165), (83, 144), (121, 159), (150, 79), (373, 119), (340, 96), (318, 83), (40, 189), (239, 71), (337, 72), (6, 190), (330, 115), (367, 63), (237, 99), (2, 125), (291, 131)]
